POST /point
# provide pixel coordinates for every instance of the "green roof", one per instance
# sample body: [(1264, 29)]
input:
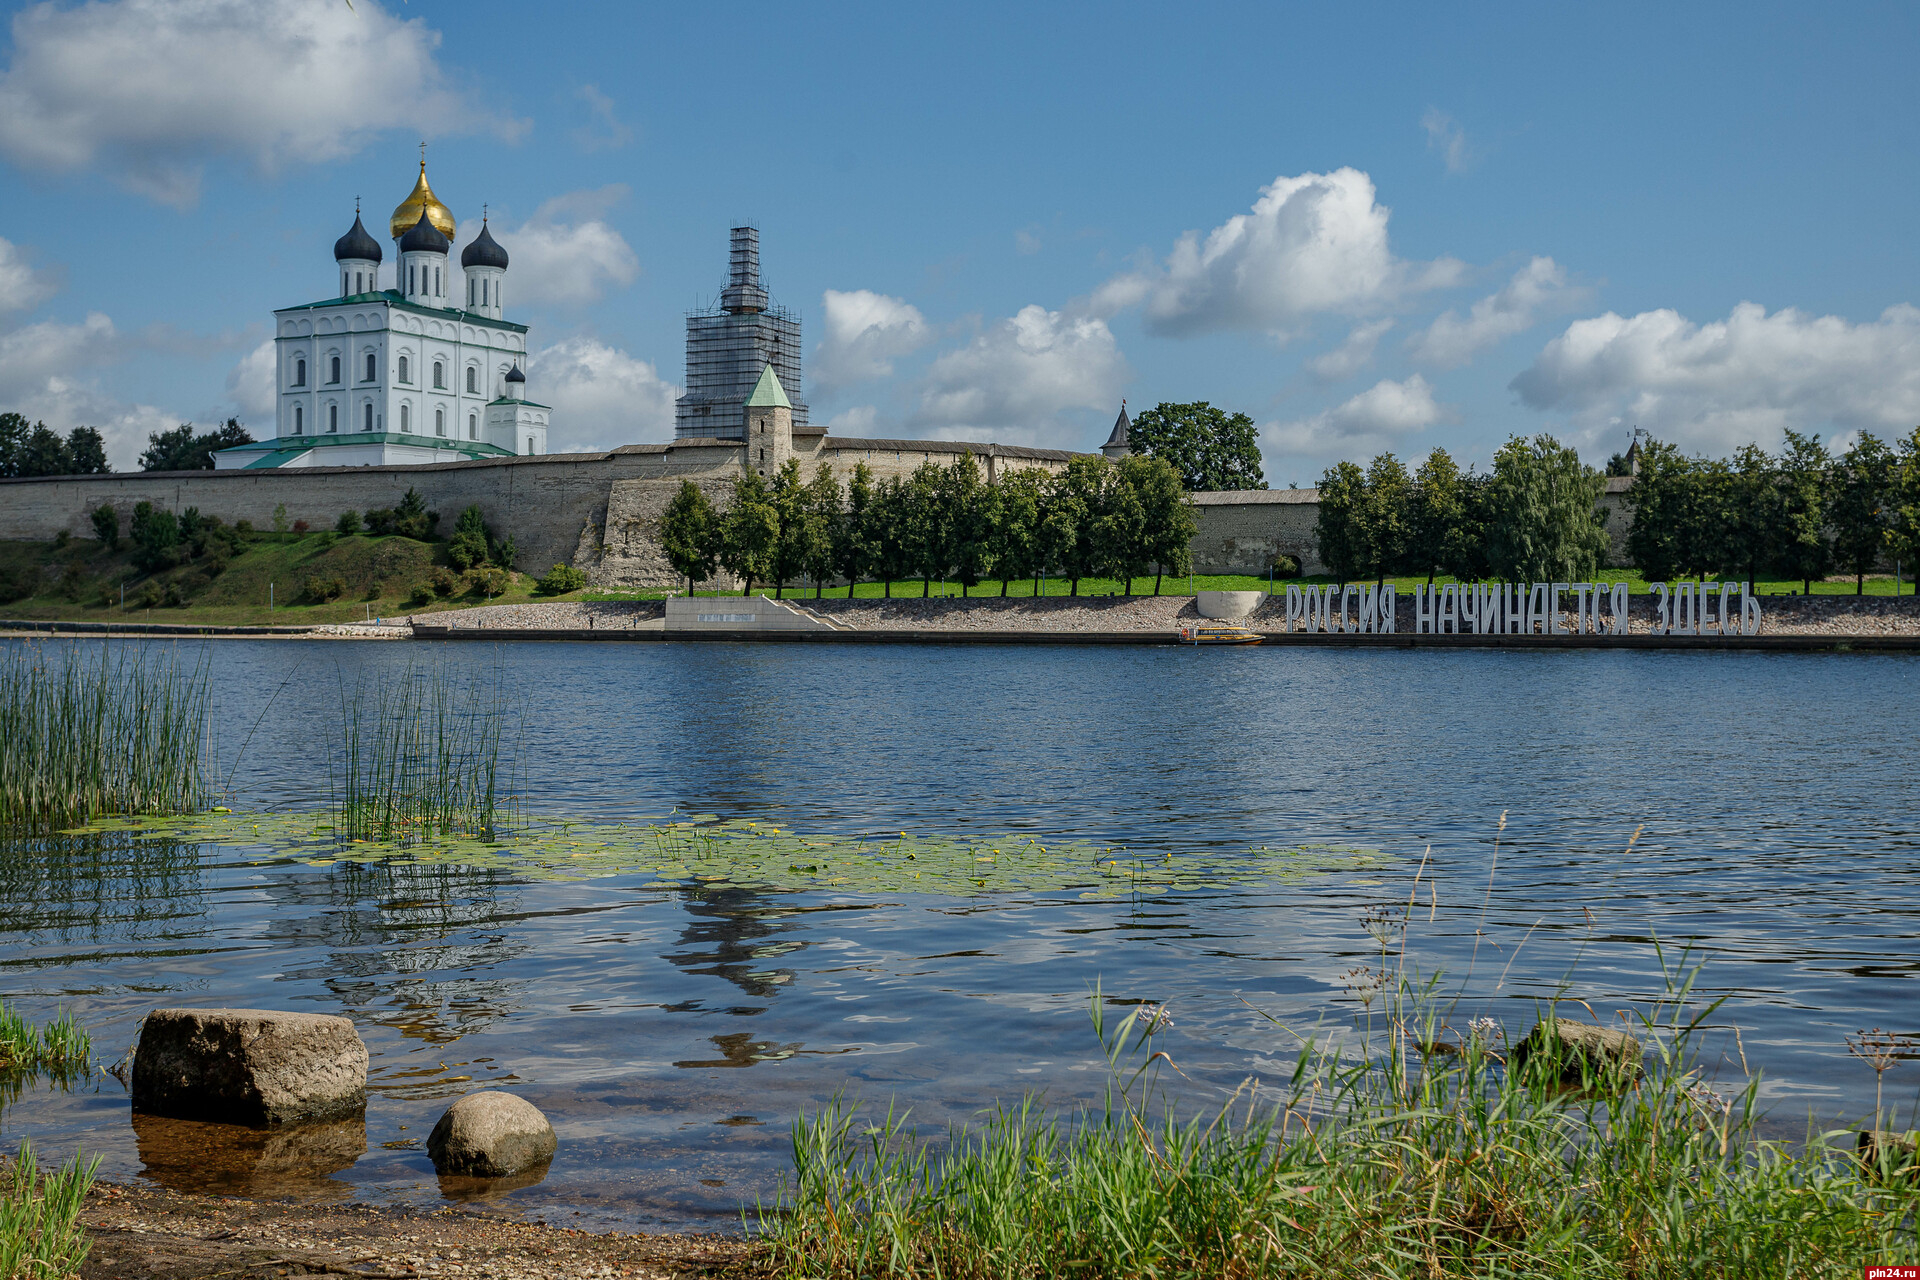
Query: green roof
[(281, 449), (396, 301), (768, 392)]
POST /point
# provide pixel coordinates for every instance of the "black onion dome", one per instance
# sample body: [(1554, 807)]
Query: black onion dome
[(514, 374), (424, 238), (356, 244), (485, 251)]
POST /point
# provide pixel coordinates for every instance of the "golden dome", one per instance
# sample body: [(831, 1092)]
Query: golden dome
[(408, 212)]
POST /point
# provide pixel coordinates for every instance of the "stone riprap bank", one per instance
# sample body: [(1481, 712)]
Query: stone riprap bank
[(601, 511)]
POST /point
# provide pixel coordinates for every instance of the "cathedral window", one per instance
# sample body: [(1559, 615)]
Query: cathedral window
[(436, 280), (369, 415), (334, 370), (333, 417), (404, 375), (297, 419), (483, 292), (469, 290), (439, 422), (473, 427), (299, 373), (529, 444), (373, 369), (473, 380), (440, 375), (404, 417)]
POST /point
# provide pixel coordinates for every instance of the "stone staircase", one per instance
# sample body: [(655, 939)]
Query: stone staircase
[(831, 624)]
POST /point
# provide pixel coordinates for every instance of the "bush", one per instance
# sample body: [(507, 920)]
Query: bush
[(156, 538), (467, 551), (106, 525), (424, 592), (73, 583), (243, 528), (1286, 567), (561, 579), (218, 557), (300, 526), (61, 539), (321, 590), (444, 583), (18, 584), (175, 598), (380, 522), (491, 582), (348, 523), (152, 595)]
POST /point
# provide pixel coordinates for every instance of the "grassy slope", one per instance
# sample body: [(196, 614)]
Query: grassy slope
[(380, 574)]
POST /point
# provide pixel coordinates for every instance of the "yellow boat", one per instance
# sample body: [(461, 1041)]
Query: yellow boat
[(1219, 633)]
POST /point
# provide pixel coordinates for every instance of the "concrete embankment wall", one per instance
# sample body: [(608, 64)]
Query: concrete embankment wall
[(599, 511)]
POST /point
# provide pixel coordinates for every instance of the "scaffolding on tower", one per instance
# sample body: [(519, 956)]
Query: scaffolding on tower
[(729, 344)]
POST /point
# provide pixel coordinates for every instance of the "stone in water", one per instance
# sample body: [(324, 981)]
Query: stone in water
[(490, 1135), (248, 1066)]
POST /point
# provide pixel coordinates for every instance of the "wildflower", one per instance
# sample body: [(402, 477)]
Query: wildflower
[(1154, 1018), (1486, 1029)]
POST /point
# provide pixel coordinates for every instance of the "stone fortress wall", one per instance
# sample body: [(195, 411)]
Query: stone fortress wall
[(601, 511)]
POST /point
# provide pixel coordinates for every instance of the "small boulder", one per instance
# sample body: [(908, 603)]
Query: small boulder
[(248, 1066), (491, 1135), (1581, 1051)]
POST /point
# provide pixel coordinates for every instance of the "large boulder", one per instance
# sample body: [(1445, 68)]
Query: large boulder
[(1580, 1051), (248, 1066), (491, 1135)]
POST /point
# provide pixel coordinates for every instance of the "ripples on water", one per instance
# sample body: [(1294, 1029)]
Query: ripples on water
[(672, 1036)]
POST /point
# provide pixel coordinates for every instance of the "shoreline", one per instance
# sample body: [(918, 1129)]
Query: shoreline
[(139, 1230)]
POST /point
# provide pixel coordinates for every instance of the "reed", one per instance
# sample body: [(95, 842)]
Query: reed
[(420, 756), (1376, 1163), (63, 1048), (41, 1234), (93, 732)]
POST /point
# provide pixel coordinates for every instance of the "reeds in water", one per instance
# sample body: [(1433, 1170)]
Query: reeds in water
[(41, 1234), (421, 755), (1368, 1165), (88, 732), (63, 1047)]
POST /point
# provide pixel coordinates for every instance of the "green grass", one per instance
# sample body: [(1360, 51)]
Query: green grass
[(1881, 585), (380, 574), (41, 1235), (89, 733), (62, 1048)]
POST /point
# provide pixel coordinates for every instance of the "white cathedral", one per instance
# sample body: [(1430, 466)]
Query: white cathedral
[(380, 377)]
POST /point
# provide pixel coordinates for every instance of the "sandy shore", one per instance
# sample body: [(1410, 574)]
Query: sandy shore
[(145, 1232)]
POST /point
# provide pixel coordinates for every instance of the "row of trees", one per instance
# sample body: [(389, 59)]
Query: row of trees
[(40, 451), (1095, 519), (1534, 518), (1801, 512)]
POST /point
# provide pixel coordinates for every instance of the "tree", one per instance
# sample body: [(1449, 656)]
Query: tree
[(891, 520), (855, 528), (156, 538), (1077, 501), (688, 533), (472, 543), (1804, 468), (1019, 543), (106, 525), (823, 501), (1389, 510), (1545, 521), (1731, 522), (13, 437), (750, 531), (1167, 515), (929, 526), (1207, 447), (348, 524), (1340, 529), (182, 450), (804, 536), (45, 453), (1862, 486), (972, 518), (86, 453), (1437, 516), (1903, 516), (1121, 535), (1659, 500)]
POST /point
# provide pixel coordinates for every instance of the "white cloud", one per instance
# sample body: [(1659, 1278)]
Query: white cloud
[(865, 333), (45, 374), (1026, 242), (1352, 355), (601, 396), (603, 131), (1312, 245), (150, 90), (1446, 138), (1013, 378), (857, 421), (1717, 386), (21, 287), (566, 253), (250, 385), (1453, 340), (1378, 417)]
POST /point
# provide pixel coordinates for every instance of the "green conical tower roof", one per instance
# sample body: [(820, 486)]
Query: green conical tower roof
[(768, 393)]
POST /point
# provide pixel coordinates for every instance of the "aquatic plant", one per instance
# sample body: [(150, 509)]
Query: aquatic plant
[(421, 755), (1407, 1154), (61, 1048), (41, 1234), (91, 732)]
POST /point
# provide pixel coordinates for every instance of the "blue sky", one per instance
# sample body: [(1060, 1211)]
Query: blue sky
[(1368, 227)]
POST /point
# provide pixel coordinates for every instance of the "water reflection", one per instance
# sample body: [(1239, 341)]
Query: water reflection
[(106, 886), (296, 1161), (730, 934)]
